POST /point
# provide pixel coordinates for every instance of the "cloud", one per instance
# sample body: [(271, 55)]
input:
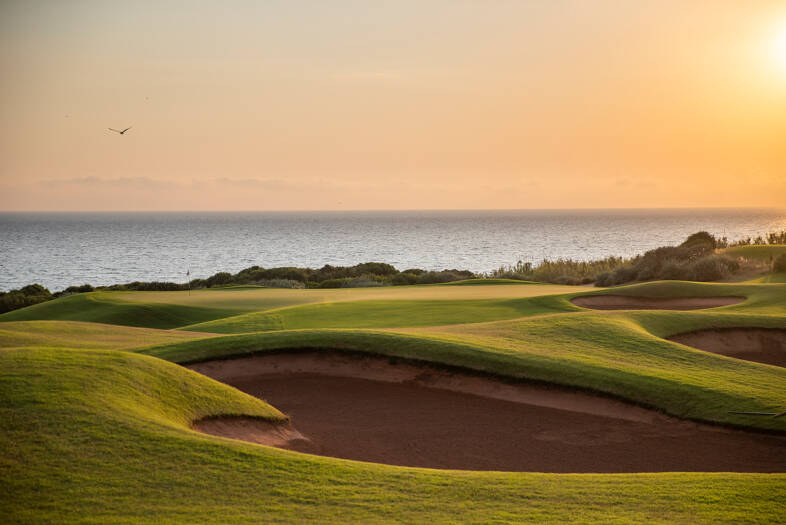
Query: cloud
[(117, 182), (266, 184)]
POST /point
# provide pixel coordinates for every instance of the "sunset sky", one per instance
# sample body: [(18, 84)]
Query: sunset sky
[(263, 105)]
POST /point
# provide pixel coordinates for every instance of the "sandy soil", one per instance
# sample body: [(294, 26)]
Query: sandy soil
[(378, 410), (251, 429), (623, 302), (762, 345)]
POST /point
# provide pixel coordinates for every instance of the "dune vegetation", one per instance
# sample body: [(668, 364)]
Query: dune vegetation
[(96, 414)]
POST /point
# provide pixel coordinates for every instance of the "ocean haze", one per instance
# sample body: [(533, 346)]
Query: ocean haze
[(63, 249)]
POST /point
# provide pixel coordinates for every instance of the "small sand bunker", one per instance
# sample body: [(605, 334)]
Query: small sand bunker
[(408, 413), (762, 345), (625, 302)]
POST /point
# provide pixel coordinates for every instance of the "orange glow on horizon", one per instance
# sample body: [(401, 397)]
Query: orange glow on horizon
[(403, 105)]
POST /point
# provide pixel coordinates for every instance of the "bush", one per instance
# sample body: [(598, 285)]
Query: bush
[(25, 296), (218, 279), (699, 238), (352, 282), (281, 283), (780, 263), (708, 269), (404, 278), (439, 277)]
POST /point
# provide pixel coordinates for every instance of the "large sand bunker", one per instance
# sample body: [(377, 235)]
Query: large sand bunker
[(404, 413), (625, 302), (763, 345)]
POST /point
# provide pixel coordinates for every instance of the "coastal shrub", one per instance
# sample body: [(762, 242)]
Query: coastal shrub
[(511, 275), (670, 270), (374, 268), (709, 269), (74, 290), (561, 271), (141, 286), (218, 279), (699, 238), (693, 259), (281, 283), (403, 279), (445, 276), (778, 237), (780, 263), (25, 296), (352, 282), (604, 279)]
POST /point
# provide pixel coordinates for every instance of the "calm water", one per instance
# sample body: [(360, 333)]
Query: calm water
[(63, 249)]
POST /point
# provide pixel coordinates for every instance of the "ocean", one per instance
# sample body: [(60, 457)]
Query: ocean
[(63, 249)]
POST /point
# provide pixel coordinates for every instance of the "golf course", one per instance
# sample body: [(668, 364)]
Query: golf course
[(479, 401)]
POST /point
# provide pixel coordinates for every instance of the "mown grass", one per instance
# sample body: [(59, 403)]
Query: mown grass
[(100, 307), (377, 314), (760, 298), (771, 278), (77, 334), (103, 435), (165, 310), (121, 452)]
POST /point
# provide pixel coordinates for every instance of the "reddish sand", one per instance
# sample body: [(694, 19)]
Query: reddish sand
[(624, 302), (375, 409), (763, 345)]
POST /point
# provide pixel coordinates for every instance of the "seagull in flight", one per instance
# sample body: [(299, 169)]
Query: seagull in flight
[(118, 131)]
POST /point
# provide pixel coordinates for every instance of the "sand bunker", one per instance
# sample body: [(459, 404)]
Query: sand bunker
[(400, 413), (763, 345), (624, 302)]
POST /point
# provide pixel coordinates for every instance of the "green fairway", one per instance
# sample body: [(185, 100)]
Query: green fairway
[(102, 307), (95, 417), (378, 314), (178, 309), (76, 334)]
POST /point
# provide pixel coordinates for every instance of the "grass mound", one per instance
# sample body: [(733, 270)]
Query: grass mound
[(377, 314), (98, 307), (77, 334)]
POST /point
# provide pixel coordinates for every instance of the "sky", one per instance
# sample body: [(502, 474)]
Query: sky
[(295, 105)]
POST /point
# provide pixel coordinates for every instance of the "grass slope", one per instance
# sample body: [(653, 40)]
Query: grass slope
[(78, 334), (99, 307), (760, 298), (256, 299), (121, 452), (378, 314)]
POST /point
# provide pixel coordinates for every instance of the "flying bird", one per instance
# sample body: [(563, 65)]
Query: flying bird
[(118, 131)]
